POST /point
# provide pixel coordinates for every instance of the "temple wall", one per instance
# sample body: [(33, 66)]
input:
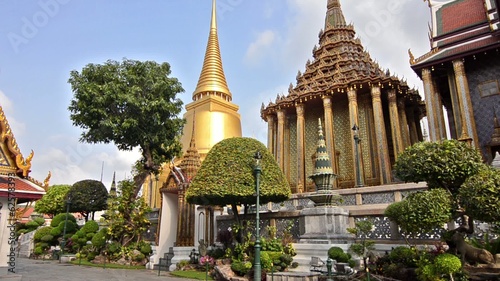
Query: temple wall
[(343, 141), (293, 152), (312, 114), (483, 76)]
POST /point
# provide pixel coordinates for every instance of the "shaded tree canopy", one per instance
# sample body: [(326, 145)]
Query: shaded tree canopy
[(53, 202), (480, 195), (132, 104), (444, 164), (422, 211), (87, 197), (455, 167), (226, 175)]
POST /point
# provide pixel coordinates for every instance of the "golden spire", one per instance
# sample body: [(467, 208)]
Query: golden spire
[(334, 15), (212, 79)]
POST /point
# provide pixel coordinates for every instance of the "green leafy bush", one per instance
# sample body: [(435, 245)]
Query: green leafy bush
[(404, 256), (336, 253), (47, 238), (217, 253), (91, 256), (99, 240), (55, 232), (447, 264), (40, 221), (241, 267), (41, 232), (32, 225), (61, 218), (90, 227), (38, 251)]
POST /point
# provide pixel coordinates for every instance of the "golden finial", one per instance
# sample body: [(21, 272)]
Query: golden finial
[(24, 165), (412, 58), (46, 181), (212, 78)]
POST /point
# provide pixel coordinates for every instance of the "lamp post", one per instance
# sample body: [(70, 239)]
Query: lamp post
[(63, 241), (256, 172), (357, 140)]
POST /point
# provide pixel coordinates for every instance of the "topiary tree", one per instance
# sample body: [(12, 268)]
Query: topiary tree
[(87, 197), (362, 246), (480, 195), (226, 176), (422, 211), (61, 218), (447, 165), (53, 202)]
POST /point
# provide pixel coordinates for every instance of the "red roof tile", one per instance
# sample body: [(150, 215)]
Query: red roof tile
[(22, 189), (460, 14)]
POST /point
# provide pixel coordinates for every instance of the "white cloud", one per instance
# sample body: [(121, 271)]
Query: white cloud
[(18, 128), (70, 161), (257, 49)]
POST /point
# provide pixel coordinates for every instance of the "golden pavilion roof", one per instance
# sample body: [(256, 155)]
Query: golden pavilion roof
[(212, 79), (191, 161), (339, 63)]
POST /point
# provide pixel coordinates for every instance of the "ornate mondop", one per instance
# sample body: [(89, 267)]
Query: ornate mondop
[(339, 63), (191, 161), (212, 80)]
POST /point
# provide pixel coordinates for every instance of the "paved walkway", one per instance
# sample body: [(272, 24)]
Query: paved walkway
[(35, 270)]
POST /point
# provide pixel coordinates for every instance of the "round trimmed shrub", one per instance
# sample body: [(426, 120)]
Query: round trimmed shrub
[(61, 218), (90, 227), (32, 225), (55, 232), (241, 268), (403, 255), (71, 227), (447, 264), (41, 232), (146, 249), (336, 253), (39, 221), (47, 238)]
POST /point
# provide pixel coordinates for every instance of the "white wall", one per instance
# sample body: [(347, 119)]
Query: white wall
[(5, 234), (168, 225)]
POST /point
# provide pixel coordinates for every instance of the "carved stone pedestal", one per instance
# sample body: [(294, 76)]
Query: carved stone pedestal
[(325, 225)]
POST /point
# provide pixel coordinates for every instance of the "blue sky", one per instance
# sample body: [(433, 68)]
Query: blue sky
[(263, 44)]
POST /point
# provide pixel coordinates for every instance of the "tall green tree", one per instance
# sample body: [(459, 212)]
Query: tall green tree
[(131, 104), (87, 197), (53, 202), (226, 176), (127, 215)]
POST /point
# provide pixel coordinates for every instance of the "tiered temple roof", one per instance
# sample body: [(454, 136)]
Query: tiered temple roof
[(339, 63), (15, 169)]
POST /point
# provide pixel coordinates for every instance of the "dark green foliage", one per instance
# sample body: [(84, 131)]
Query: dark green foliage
[(91, 256), (265, 261), (491, 245), (38, 250), (32, 225), (445, 164), (131, 104), (71, 226), (226, 175), (422, 211), (61, 218), (56, 232), (41, 232), (241, 267), (404, 256), (87, 197), (47, 239), (53, 202), (336, 253), (114, 247), (480, 195), (99, 240), (139, 257), (145, 248), (39, 221), (216, 253), (90, 227)]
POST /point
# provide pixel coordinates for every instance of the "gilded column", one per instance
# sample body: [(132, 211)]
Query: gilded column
[(431, 105), (354, 120), (270, 133), (301, 169), (280, 149), (468, 122), (440, 113), (329, 129), (412, 126), (286, 149), (455, 105), (397, 138), (380, 135), (405, 130)]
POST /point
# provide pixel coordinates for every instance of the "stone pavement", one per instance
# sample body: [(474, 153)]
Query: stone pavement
[(39, 270)]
